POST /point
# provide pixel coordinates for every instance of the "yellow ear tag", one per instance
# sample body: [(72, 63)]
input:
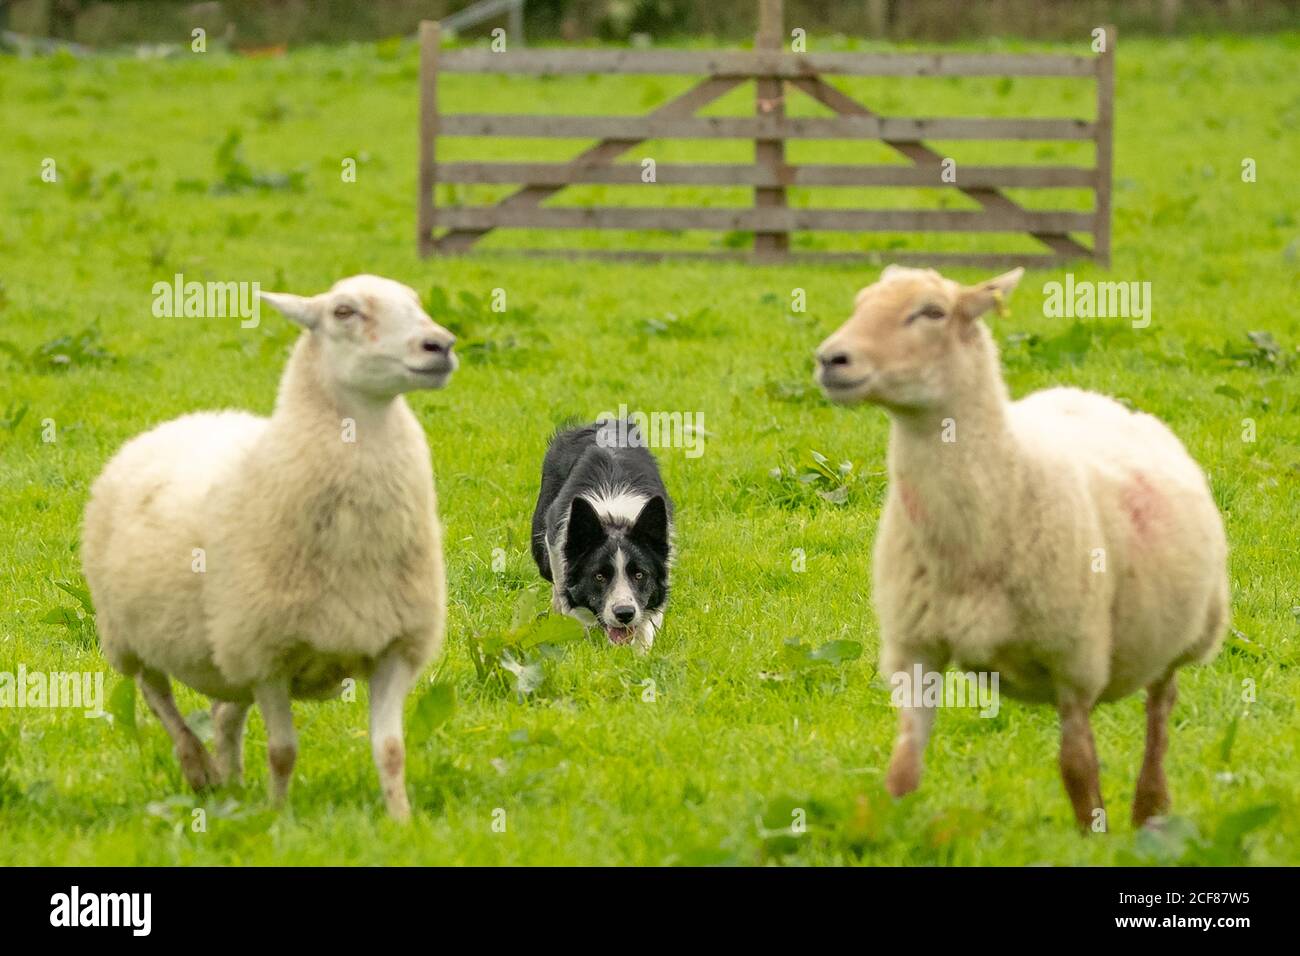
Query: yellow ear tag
[(1000, 304)]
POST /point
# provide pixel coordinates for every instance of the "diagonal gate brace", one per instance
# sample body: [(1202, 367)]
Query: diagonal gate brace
[(922, 155), (603, 152)]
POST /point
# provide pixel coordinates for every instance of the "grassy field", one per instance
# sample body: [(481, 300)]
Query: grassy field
[(229, 169)]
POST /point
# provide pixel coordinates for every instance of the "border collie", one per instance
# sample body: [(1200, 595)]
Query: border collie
[(602, 531)]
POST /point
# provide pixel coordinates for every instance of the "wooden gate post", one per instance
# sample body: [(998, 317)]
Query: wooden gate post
[(1105, 149), (515, 23), (429, 41), (878, 18), (770, 102)]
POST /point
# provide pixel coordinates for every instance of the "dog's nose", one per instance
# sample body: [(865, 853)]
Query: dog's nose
[(624, 613), (438, 346), (832, 358)]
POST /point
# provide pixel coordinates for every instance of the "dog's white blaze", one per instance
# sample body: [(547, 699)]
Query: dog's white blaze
[(620, 592), (619, 505)]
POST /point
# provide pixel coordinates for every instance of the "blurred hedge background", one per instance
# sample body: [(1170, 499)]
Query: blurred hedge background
[(254, 23)]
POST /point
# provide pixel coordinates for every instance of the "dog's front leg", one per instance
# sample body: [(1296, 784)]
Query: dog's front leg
[(643, 638)]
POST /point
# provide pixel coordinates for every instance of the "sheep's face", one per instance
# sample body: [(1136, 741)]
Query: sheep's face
[(896, 349), (375, 337)]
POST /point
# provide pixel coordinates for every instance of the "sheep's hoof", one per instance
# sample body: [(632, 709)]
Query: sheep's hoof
[(399, 808), (1148, 804), (231, 776), (199, 770), (904, 774)]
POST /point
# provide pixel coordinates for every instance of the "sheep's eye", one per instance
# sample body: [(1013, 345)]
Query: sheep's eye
[(344, 312), (928, 312)]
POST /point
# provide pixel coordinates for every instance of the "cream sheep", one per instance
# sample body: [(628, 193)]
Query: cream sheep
[(261, 560), (1060, 541)]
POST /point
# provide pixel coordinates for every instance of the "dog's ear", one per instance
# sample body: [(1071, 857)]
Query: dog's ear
[(584, 530), (651, 527)]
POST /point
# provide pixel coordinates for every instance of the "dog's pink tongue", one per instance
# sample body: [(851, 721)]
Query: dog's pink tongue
[(619, 635)]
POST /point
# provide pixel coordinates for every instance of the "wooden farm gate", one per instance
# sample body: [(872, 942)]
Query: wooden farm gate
[(770, 219)]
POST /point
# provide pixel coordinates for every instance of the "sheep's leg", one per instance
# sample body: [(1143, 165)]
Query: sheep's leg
[(1152, 795), (196, 764), (1079, 765), (390, 682), (281, 739), (228, 719), (904, 774), (915, 721)]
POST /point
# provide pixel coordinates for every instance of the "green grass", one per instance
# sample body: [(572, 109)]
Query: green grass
[(586, 769)]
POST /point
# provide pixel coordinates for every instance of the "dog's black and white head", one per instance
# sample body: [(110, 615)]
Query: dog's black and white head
[(616, 567)]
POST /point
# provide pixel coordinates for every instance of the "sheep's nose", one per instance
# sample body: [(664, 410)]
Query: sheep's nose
[(438, 346), (624, 613), (832, 358)]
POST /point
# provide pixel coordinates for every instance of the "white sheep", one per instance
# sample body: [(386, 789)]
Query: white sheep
[(1061, 541), (261, 560)]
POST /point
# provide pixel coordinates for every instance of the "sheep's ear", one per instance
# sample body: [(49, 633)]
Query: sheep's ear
[(892, 269), (977, 299), (298, 309)]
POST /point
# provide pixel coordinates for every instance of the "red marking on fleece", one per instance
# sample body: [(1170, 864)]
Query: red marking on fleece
[(1143, 504), (911, 502)]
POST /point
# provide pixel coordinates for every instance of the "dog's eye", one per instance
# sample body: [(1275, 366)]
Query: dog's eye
[(600, 578), (344, 312), (639, 575)]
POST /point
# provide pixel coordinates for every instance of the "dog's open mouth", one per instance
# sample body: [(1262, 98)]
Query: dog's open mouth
[(619, 635)]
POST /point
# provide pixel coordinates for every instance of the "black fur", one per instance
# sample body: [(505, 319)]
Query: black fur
[(576, 464)]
